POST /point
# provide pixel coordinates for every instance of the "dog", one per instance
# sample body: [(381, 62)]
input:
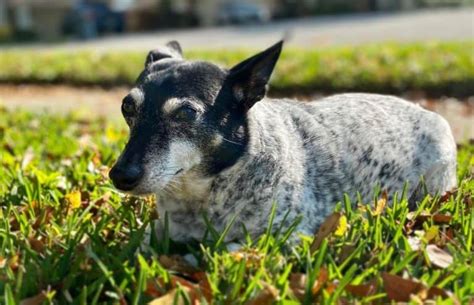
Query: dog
[(207, 140)]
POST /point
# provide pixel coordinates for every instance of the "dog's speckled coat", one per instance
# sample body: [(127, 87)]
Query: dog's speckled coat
[(301, 156), (305, 156)]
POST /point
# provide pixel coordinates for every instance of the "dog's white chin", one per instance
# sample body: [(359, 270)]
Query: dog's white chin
[(167, 168)]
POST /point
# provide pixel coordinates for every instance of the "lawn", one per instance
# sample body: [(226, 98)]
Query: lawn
[(67, 237), (440, 68)]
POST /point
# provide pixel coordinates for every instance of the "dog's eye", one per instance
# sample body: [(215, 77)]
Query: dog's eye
[(186, 113), (128, 107)]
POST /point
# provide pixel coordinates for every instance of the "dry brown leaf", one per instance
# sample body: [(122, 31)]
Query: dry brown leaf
[(468, 204), (446, 196), (177, 263), (346, 250), (36, 244), (46, 218), (331, 287), (322, 279), (446, 237), (438, 257), (362, 290), (195, 292), (329, 225), (102, 200), (173, 296), (442, 218), (266, 296), (298, 283), (435, 292), (153, 289), (35, 300), (203, 283), (437, 218), (399, 289), (415, 222)]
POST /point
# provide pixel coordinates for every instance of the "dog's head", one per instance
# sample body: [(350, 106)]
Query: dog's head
[(187, 116)]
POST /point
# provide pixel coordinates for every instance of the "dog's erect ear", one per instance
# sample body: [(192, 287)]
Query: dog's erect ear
[(171, 50), (249, 78), (175, 46)]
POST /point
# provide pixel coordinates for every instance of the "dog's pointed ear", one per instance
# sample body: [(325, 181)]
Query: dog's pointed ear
[(171, 50), (175, 46), (249, 78)]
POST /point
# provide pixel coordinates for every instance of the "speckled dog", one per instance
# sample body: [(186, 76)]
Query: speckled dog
[(206, 139)]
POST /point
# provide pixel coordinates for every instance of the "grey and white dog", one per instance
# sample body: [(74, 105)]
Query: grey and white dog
[(206, 139)]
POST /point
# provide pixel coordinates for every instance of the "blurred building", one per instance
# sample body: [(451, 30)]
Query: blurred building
[(53, 19)]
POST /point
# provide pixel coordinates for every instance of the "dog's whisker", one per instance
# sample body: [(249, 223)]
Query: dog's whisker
[(233, 142)]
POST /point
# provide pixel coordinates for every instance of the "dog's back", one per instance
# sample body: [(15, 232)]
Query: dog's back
[(305, 156)]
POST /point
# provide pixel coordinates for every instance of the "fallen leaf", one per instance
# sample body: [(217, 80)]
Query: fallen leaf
[(173, 297), (96, 159), (414, 242), (435, 292), (346, 251), (36, 244), (14, 262), (153, 289), (27, 158), (298, 282), (442, 218), (432, 233), (331, 287), (438, 257), (251, 257), (446, 196), (329, 225), (195, 291), (177, 263), (266, 296), (204, 285), (102, 200), (425, 216), (321, 280), (45, 218), (3, 262), (362, 290), (342, 227), (74, 199), (380, 204), (35, 300), (399, 289), (447, 236)]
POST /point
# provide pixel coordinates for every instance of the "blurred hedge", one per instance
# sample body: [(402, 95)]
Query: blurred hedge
[(435, 67)]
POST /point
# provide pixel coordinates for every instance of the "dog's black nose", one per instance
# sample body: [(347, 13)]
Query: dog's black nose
[(125, 178)]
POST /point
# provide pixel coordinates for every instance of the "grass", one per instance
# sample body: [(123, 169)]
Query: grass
[(434, 67), (67, 237)]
